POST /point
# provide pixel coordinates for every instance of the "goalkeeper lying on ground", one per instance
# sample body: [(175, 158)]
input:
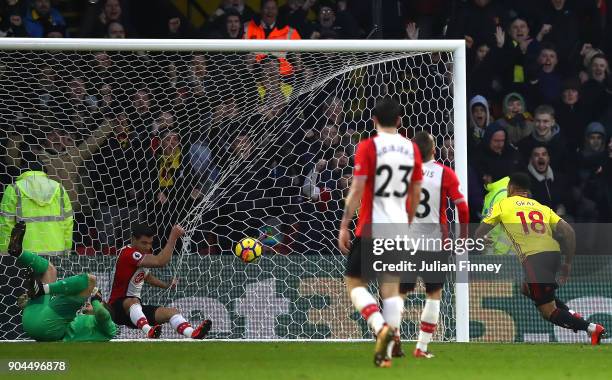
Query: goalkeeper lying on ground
[(50, 309)]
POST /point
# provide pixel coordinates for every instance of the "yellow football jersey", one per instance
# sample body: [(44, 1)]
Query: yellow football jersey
[(529, 224)]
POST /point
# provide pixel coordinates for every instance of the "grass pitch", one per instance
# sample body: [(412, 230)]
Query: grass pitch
[(304, 361)]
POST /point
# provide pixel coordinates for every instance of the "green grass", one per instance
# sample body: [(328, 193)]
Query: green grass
[(303, 361)]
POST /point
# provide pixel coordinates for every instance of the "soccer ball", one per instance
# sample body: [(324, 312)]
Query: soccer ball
[(248, 250)]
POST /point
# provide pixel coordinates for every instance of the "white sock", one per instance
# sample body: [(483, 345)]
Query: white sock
[(180, 324), (46, 288), (138, 318), (392, 313), (365, 303), (591, 328), (429, 321)]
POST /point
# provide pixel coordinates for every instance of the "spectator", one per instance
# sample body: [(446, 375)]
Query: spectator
[(270, 87), (113, 173), (593, 153), (41, 17), (516, 55), (333, 23), (548, 133), (545, 86), (269, 27), (496, 157), (139, 111), (482, 72), (476, 21), (516, 121), (547, 186), (174, 186), (115, 30), (232, 26), (564, 33), (587, 192), (178, 27), (11, 20), (246, 13), (295, 13), (430, 16), (593, 91), (572, 114), (111, 11), (479, 119)]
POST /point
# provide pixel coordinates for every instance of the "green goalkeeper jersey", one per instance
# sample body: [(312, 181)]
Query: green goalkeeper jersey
[(98, 327)]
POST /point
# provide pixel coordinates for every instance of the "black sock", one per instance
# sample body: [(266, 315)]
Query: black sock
[(561, 304), (564, 319)]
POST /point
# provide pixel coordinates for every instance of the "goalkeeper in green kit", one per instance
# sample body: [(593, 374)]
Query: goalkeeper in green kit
[(58, 310)]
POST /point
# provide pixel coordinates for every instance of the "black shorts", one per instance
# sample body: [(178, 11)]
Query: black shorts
[(121, 317), (434, 280), (361, 258), (540, 270)]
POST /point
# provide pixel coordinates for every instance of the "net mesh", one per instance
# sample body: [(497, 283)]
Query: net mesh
[(230, 145)]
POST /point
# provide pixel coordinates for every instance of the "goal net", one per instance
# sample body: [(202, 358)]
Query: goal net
[(231, 140)]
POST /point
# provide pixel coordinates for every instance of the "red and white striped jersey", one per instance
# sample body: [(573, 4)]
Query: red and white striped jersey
[(439, 184), (128, 277), (391, 163)]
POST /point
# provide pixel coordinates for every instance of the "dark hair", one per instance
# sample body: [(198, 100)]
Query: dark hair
[(423, 140), (387, 111), (264, 2), (142, 229), (520, 181)]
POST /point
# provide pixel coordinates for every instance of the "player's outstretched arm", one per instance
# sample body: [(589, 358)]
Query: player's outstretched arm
[(161, 260), (351, 203), (566, 236), (154, 281)]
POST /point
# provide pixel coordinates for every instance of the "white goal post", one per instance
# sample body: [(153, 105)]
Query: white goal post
[(455, 48)]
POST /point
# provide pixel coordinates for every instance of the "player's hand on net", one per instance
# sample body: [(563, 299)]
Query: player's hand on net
[(177, 231), (344, 240), (173, 284), (96, 297), (564, 273)]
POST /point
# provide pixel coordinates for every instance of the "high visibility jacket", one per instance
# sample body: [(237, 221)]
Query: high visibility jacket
[(45, 207), (497, 191), (255, 31)]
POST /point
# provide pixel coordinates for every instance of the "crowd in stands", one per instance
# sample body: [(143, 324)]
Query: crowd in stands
[(144, 136)]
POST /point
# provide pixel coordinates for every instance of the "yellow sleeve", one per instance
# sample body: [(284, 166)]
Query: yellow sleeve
[(7, 216), (493, 217)]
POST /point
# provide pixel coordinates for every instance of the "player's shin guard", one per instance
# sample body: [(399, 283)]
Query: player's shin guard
[(365, 303), (70, 286), (392, 313), (429, 321), (564, 318), (138, 318), (180, 324), (31, 260)]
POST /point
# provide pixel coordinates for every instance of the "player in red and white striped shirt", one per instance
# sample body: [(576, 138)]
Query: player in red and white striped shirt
[(440, 183), (131, 271), (387, 171)]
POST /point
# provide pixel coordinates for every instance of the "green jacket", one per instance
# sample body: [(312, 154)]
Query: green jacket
[(496, 191), (45, 207)]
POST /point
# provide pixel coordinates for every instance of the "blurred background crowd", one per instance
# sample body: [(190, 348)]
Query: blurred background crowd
[(136, 136)]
